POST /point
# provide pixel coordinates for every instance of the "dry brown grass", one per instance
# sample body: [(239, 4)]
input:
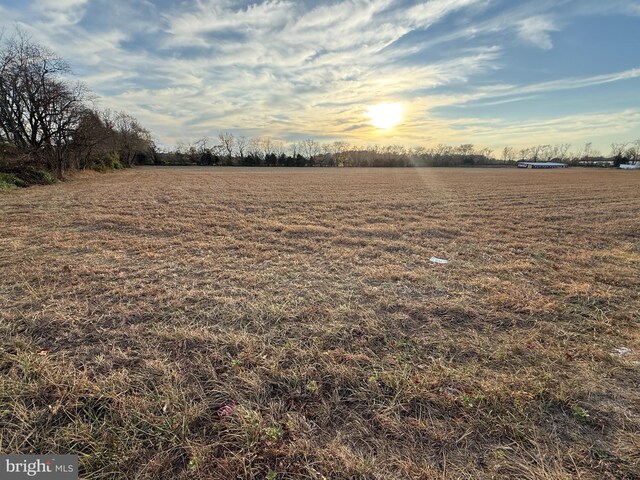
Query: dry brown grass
[(134, 305)]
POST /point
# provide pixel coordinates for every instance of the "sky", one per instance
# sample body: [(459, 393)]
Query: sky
[(488, 72)]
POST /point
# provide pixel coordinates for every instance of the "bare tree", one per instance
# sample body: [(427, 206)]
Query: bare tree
[(587, 151), (339, 151), (372, 153), (327, 155), (310, 148), (241, 145), (545, 153), (633, 152), (508, 154), (561, 151), (61, 124), (617, 152), (294, 149), (255, 148), (228, 142), (92, 139), (535, 152), (485, 152), (39, 110), (277, 148), (131, 138), (441, 150), (266, 146), (465, 150)]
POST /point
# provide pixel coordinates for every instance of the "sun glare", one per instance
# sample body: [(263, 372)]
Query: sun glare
[(385, 115)]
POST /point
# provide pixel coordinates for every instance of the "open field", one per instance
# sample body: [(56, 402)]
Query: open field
[(275, 323)]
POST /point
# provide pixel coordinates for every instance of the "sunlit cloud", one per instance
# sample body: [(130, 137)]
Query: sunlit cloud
[(302, 69)]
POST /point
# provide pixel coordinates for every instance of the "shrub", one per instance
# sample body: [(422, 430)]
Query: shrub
[(41, 177), (108, 162), (9, 182), (25, 176)]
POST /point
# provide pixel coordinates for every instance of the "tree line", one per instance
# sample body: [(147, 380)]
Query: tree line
[(228, 149), (231, 150), (48, 120)]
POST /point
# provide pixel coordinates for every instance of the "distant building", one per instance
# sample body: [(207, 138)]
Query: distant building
[(541, 165), (596, 163)]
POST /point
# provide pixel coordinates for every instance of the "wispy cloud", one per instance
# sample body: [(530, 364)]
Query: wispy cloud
[(302, 68), (564, 128), (557, 85), (536, 30)]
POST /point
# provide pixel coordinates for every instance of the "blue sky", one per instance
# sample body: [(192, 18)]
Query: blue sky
[(488, 72)]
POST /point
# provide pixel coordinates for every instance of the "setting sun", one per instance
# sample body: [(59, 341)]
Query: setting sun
[(385, 115)]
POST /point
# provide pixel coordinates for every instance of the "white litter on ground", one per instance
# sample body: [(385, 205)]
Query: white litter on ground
[(621, 351), (439, 260)]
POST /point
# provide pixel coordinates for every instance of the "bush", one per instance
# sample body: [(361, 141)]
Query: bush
[(7, 150), (24, 176), (9, 182), (108, 162)]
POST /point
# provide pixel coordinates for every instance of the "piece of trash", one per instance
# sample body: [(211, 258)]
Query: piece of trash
[(43, 352), (622, 351), (226, 409), (439, 260)]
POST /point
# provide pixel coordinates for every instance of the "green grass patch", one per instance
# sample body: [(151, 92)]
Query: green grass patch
[(24, 176), (9, 181)]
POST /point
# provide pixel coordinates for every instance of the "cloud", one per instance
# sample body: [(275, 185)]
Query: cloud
[(425, 14), (59, 4), (497, 91), (566, 128), (289, 68), (536, 31), (61, 12), (191, 27)]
